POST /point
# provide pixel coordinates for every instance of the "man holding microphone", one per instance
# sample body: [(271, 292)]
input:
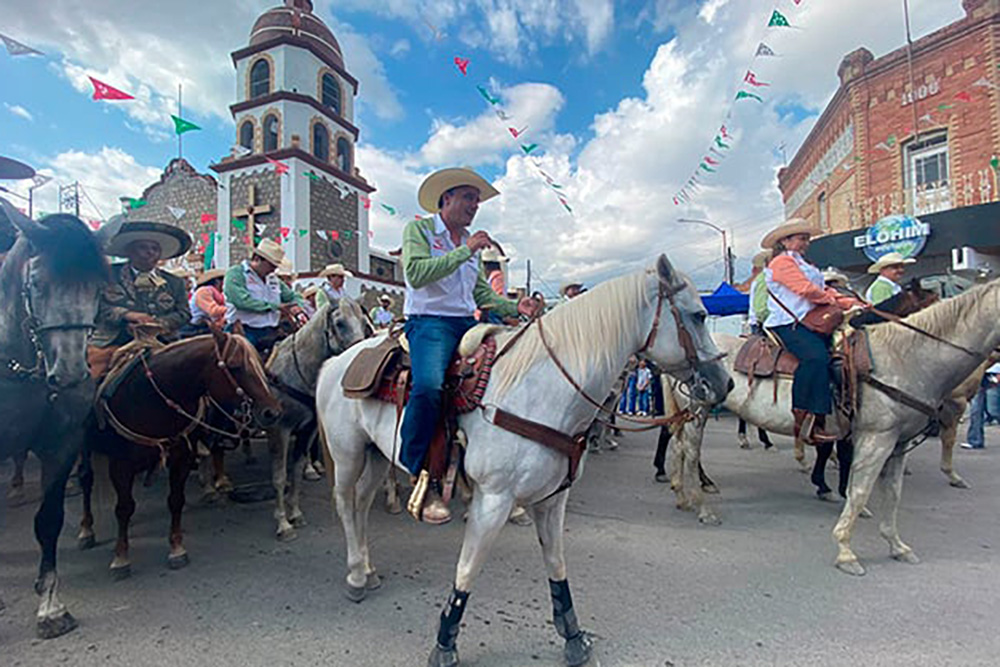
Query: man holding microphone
[(444, 286)]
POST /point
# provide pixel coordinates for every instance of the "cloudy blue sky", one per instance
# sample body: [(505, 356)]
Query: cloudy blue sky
[(623, 99)]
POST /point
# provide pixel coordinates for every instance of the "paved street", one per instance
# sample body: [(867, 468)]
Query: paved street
[(655, 587)]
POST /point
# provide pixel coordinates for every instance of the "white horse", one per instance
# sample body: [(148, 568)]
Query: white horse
[(925, 369), (593, 336)]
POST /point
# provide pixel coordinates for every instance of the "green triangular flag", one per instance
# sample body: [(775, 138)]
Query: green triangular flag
[(706, 167), (995, 163), (239, 224), (778, 20), (528, 148), (391, 210), (302, 232), (742, 95), (312, 176), (720, 143), (891, 141), (210, 252), (181, 126), (136, 203)]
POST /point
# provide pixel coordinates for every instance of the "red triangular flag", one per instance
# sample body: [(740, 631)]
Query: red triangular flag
[(284, 232), (462, 64), (279, 167), (103, 91), (207, 217), (964, 96), (204, 237), (334, 235), (367, 202)]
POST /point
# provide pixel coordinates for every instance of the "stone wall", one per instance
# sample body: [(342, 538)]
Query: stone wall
[(268, 191), (181, 187), (338, 217)]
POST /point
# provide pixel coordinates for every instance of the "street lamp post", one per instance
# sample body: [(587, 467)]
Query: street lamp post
[(727, 258)]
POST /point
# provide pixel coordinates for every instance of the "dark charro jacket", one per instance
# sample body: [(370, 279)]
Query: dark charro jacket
[(168, 303)]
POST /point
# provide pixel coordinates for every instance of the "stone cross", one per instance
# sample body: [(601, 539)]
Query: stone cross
[(252, 210)]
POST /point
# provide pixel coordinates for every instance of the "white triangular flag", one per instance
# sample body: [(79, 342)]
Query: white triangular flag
[(178, 213), (40, 179), (239, 150), (321, 233), (260, 229), (16, 48), (984, 83)]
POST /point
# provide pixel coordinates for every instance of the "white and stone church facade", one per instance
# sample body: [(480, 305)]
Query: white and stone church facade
[(294, 105)]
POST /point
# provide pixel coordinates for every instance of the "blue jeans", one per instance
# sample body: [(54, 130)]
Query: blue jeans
[(811, 383), (433, 341), (993, 403), (627, 404), (977, 416), (644, 400), (258, 336)]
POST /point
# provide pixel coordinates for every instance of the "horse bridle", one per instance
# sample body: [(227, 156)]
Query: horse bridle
[(33, 328)]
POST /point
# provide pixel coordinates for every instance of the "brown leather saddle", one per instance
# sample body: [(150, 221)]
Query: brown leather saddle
[(762, 357), (382, 372)]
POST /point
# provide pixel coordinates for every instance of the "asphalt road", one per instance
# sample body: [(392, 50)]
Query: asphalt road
[(653, 585)]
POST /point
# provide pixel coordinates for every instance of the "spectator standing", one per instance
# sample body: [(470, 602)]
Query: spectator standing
[(643, 378)]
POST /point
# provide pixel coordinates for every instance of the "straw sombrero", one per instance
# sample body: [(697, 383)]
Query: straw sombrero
[(173, 241), (443, 180), (335, 270), (210, 275), (565, 287), (309, 291), (493, 255), (889, 259), (786, 229), (386, 299), (833, 275), (270, 251)]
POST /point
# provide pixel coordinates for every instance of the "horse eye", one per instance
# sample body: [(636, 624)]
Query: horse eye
[(700, 318)]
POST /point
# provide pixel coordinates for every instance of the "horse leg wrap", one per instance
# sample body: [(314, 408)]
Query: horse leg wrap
[(563, 614), (451, 618)]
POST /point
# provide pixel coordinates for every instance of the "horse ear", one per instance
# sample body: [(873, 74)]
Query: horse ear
[(108, 230), (665, 270), (23, 223)]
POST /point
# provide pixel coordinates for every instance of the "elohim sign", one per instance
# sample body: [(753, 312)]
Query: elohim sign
[(894, 233)]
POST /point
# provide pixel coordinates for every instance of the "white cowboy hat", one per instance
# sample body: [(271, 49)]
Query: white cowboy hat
[(385, 298), (309, 291), (565, 287), (443, 180), (889, 259), (209, 275), (270, 251), (760, 259), (833, 275), (788, 228), (173, 241), (335, 270), (493, 255)]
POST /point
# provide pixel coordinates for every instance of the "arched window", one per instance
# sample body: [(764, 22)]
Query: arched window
[(321, 142), (246, 134), (270, 133), (331, 93), (344, 155), (260, 79)]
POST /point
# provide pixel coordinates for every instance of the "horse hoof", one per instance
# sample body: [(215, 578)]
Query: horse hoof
[(709, 520), (394, 507), (298, 521), (578, 649), (443, 657), (851, 567), (907, 557), (121, 572), (224, 485), (373, 582), (50, 628), (178, 562), (355, 593), (287, 535), (85, 542), (519, 517), (710, 489), (959, 483), (865, 513)]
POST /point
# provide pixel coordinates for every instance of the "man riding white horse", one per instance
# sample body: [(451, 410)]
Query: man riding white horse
[(890, 268), (444, 285)]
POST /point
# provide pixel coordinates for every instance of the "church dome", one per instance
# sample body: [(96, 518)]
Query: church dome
[(295, 18)]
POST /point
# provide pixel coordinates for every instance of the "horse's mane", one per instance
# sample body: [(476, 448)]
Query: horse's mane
[(940, 318), (598, 320)]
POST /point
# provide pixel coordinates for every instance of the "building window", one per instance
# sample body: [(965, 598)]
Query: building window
[(321, 142), (344, 155), (270, 133), (246, 134), (331, 93), (926, 173), (824, 222), (260, 79)]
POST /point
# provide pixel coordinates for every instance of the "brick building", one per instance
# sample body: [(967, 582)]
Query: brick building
[(908, 140)]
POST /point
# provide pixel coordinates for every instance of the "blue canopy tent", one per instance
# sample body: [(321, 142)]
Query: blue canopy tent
[(725, 300)]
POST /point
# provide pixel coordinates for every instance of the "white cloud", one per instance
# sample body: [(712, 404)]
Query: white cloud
[(399, 48), (105, 176), (19, 111), (710, 9)]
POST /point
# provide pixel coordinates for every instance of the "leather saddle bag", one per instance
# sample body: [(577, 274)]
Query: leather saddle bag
[(364, 376)]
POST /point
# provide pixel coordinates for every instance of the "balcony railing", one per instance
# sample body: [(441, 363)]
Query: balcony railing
[(970, 190)]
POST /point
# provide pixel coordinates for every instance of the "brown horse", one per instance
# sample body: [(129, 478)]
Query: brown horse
[(152, 415)]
